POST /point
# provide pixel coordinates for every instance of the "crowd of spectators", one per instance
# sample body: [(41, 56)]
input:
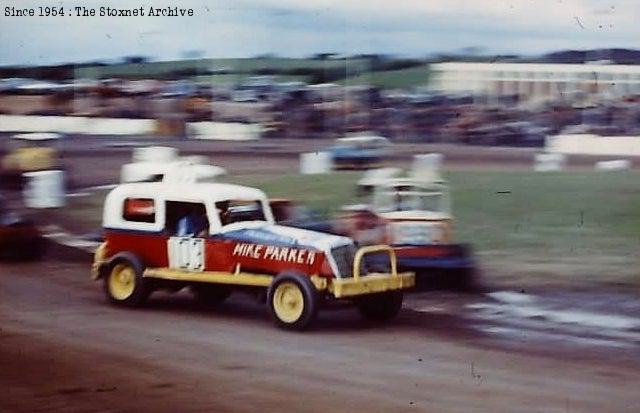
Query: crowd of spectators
[(297, 110)]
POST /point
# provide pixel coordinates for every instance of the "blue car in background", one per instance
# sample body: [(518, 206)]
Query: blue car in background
[(359, 152)]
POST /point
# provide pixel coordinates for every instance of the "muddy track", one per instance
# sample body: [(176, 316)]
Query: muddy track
[(62, 348)]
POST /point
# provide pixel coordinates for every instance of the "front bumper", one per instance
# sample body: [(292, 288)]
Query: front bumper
[(372, 282)]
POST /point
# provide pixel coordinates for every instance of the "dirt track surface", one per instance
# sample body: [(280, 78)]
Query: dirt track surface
[(63, 348)]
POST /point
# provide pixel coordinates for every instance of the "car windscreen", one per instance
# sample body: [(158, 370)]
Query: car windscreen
[(240, 210), (389, 201)]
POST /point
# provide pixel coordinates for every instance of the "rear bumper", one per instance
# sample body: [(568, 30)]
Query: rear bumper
[(433, 256), (99, 262), (371, 284)]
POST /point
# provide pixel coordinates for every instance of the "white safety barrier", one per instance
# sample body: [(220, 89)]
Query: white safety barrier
[(116, 126), (315, 163), (44, 189), (76, 125), (587, 144), (545, 162), (106, 126), (426, 167), (232, 131), (616, 165)]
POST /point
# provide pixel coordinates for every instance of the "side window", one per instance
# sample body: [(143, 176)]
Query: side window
[(185, 219), (139, 210)]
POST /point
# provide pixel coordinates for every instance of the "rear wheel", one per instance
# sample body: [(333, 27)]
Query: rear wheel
[(381, 306), (210, 294), (293, 301), (124, 283)]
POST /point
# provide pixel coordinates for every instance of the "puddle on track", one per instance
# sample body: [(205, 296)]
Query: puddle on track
[(572, 319)]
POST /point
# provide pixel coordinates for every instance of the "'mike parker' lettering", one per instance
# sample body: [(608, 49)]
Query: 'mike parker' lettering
[(257, 251)]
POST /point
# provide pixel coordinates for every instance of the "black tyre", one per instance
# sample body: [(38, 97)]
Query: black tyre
[(381, 306), (210, 295), (464, 280), (293, 301), (123, 282)]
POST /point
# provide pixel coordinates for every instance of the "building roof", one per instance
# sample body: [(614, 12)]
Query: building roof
[(535, 67)]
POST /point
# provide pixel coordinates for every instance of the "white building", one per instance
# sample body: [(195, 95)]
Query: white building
[(536, 82)]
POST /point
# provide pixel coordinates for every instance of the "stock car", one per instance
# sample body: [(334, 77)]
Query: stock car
[(414, 217), (233, 243), (359, 152)]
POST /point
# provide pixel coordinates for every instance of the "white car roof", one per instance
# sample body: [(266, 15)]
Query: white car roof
[(199, 191), (207, 193), (363, 139)]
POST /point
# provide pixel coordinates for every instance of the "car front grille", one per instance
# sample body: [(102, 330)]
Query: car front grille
[(343, 257)]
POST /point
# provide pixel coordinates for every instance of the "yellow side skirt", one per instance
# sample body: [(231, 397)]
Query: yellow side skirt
[(239, 278), (339, 287)]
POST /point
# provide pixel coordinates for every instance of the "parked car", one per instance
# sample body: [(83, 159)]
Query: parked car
[(359, 152)]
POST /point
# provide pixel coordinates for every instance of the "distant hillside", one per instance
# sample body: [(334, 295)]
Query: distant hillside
[(616, 56), (380, 70)]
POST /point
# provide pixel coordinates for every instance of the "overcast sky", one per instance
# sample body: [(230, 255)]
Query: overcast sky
[(243, 28)]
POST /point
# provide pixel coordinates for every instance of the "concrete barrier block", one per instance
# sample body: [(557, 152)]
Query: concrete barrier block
[(545, 162), (615, 165), (315, 163)]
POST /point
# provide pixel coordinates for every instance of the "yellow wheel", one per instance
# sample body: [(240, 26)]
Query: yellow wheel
[(288, 302), (293, 301), (123, 284)]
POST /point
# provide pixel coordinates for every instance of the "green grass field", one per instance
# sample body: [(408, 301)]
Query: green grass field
[(392, 79), (570, 228), (237, 70)]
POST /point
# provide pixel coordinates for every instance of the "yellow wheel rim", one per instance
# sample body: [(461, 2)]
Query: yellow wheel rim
[(122, 281), (288, 302)]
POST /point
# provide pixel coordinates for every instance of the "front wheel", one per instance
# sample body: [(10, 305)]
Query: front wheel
[(293, 301), (381, 306), (125, 285)]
